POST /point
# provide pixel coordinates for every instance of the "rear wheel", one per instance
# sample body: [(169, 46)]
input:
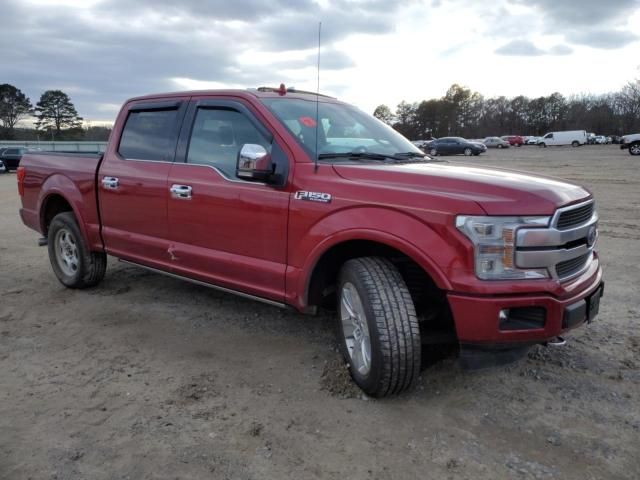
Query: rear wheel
[(468, 152), (634, 149), (72, 262), (378, 327)]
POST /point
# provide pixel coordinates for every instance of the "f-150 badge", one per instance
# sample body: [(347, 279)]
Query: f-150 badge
[(313, 196)]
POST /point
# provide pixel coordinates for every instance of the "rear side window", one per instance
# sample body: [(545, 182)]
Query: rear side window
[(149, 135)]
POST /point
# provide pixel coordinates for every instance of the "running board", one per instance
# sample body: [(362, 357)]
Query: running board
[(210, 285)]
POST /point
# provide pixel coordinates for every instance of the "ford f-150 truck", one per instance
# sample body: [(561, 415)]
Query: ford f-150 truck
[(305, 202)]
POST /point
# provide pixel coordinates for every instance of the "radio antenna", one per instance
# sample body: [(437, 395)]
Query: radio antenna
[(317, 99)]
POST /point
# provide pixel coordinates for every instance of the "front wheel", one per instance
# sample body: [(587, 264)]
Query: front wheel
[(378, 327), (634, 149), (575, 143), (468, 152), (72, 262), (433, 152), (499, 146), (542, 145)]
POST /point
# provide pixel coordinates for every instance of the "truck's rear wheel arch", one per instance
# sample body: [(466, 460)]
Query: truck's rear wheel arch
[(52, 206), (56, 203), (430, 300)]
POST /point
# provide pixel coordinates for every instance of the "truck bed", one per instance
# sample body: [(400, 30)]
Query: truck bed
[(49, 174)]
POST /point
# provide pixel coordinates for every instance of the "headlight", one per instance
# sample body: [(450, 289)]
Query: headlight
[(494, 245)]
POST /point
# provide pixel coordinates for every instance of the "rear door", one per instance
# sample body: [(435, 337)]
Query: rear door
[(224, 230), (132, 182)]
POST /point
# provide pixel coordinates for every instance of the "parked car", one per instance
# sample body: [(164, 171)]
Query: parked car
[(456, 146), (515, 140), (496, 142), (3, 169), (233, 190), (601, 140), (533, 140), (423, 144), (11, 156), (631, 142), (575, 138)]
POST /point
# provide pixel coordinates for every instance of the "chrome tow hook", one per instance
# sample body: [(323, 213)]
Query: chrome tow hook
[(556, 342)]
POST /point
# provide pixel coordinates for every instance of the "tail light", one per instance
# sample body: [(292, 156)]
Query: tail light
[(20, 176)]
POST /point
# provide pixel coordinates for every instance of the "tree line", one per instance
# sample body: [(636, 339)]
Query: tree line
[(465, 113), (56, 118)]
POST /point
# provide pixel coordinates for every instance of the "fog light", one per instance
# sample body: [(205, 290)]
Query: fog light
[(522, 318)]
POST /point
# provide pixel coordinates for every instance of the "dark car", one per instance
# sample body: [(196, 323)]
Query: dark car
[(455, 146), (11, 157)]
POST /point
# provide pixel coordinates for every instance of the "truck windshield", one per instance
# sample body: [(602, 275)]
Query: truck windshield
[(342, 129)]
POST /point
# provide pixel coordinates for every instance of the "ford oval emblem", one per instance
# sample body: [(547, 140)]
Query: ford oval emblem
[(592, 235)]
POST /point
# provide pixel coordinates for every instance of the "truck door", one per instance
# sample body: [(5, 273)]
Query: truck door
[(224, 230), (132, 181)]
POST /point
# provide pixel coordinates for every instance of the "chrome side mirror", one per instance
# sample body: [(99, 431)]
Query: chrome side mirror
[(254, 163)]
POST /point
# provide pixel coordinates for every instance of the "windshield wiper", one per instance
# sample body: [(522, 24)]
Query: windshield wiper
[(410, 154), (401, 156), (368, 155)]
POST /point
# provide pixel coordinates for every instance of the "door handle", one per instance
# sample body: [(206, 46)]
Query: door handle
[(110, 183), (182, 192)]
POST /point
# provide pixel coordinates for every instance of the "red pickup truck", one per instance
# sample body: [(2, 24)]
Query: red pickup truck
[(304, 202)]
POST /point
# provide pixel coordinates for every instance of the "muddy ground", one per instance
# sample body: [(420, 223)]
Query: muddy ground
[(150, 377)]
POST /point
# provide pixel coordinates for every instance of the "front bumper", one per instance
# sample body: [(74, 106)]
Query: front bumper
[(477, 318)]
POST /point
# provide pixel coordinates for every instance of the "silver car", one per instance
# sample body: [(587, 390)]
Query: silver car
[(496, 142)]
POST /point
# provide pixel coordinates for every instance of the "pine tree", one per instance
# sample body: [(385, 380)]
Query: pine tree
[(55, 111)]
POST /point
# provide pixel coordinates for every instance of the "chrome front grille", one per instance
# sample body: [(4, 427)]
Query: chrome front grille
[(576, 216), (565, 247)]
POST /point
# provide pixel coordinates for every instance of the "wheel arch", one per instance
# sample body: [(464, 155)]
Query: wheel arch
[(59, 194), (324, 264)]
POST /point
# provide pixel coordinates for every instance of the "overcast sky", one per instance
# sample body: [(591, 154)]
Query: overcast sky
[(102, 52)]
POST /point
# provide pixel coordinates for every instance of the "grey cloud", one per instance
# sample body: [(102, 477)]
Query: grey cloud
[(583, 12), (587, 22), (525, 48), (115, 50), (243, 10), (560, 50), (519, 48)]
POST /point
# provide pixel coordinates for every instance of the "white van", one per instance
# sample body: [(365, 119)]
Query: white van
[(574, 138)]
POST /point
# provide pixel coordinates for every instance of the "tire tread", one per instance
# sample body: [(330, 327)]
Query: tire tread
[(396, 323)]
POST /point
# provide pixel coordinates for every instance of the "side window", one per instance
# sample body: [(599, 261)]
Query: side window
[(549, 135), (149, 135), (217, 137)]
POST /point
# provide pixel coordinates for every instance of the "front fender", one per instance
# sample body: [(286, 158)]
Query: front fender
[(430, 245)]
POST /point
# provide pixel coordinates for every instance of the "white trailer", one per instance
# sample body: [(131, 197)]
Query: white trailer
[(574, 138)]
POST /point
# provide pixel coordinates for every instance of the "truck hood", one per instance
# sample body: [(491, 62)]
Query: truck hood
[(497, 191)]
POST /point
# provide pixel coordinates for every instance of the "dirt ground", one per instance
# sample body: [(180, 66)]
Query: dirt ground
[(149, 377)]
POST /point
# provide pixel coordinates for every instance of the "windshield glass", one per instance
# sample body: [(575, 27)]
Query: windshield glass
[(342, 128)]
